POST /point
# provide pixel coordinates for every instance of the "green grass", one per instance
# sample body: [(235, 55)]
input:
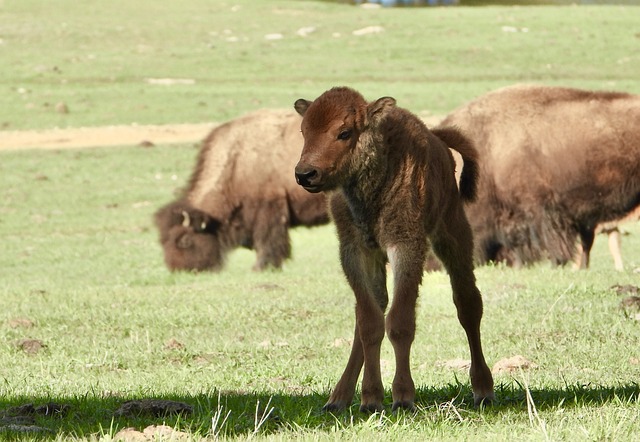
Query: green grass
[(97, 57), (80, 260)]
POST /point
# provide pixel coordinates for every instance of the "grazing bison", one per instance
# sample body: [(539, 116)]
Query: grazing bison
[(241, 193), (393, 191), (554, 163)]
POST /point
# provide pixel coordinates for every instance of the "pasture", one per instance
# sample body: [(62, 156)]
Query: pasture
[(90, 318)]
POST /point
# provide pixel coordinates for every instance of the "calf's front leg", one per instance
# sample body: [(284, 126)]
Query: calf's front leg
[(401, 319), (366, 274), (343, 392)]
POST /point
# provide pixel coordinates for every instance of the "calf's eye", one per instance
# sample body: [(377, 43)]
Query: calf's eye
[(344, 135)]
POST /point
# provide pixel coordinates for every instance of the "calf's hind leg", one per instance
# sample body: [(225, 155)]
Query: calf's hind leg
[(453, 244)]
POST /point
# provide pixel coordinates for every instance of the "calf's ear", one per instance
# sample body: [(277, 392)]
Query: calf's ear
[(377, 109), (301, 105)]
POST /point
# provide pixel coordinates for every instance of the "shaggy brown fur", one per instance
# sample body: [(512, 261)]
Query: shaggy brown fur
[(241, 194), (392, 186), (554, 163)]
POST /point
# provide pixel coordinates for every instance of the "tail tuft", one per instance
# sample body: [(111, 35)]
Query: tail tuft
[(457, 141)]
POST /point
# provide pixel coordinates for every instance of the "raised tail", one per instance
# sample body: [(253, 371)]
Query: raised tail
[(458, 141)]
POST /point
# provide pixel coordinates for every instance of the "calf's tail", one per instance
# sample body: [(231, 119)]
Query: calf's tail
[(458, 141)]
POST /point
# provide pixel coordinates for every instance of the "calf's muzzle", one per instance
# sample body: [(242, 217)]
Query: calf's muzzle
[(308, 177)]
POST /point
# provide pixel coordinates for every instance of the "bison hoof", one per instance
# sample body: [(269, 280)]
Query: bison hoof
[(403, 405), (333, 407), (371, 408), (483, 401)]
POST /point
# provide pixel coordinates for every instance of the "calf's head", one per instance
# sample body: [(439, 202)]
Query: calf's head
[(334, 126)]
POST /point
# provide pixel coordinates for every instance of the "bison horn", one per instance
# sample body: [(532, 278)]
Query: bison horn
[(187, 220)]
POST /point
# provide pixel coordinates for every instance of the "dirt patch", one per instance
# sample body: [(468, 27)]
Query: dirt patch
[(104, 136), (124, 135)]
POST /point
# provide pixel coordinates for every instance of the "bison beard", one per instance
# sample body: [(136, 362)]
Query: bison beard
[(392, 192)]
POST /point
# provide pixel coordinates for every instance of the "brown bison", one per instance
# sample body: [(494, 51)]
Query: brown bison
[(392, 192), (554, 163), (241, 194)]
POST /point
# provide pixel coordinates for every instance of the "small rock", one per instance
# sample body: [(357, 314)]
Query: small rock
[(130, 435), (625, 289), (455, 364), (21, 323), (170, 81), (62, 108), (30, 346), (303, 32), (151, 433), (368, 30), (632, 302), (514, 363), (173, 344), (342, 342)]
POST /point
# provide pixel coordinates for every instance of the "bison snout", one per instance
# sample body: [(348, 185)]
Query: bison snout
[(308, 177)]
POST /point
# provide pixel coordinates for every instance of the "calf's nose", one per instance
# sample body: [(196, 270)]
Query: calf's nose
[(306, 176)]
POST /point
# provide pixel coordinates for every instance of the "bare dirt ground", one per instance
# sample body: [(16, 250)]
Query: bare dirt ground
[(125, 135), (104, 136)]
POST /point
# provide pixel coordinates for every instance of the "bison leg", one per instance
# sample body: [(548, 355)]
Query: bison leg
[(366, 273), (453, 244), (586, 239), (401, 319), (271, 235), (615, 248)]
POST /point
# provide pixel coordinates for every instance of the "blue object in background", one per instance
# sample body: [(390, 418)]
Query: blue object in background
[(391, 3)]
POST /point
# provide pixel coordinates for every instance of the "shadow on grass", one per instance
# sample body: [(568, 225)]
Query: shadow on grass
[(242, 414)]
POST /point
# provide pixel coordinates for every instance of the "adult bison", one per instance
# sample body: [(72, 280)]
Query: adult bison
[(241, 194), (393, 192), (554, 164)]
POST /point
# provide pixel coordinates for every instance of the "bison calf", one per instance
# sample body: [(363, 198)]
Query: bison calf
[(393, 191), (240, 195)]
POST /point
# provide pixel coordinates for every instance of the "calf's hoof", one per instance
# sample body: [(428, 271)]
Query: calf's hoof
[(333, 407), (371, 408), (403, 405)]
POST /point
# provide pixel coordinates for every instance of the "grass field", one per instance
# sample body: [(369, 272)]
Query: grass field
[(90, 318), (98, 58)]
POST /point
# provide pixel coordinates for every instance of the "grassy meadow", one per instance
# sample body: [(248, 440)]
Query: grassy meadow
[(91, 318)]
